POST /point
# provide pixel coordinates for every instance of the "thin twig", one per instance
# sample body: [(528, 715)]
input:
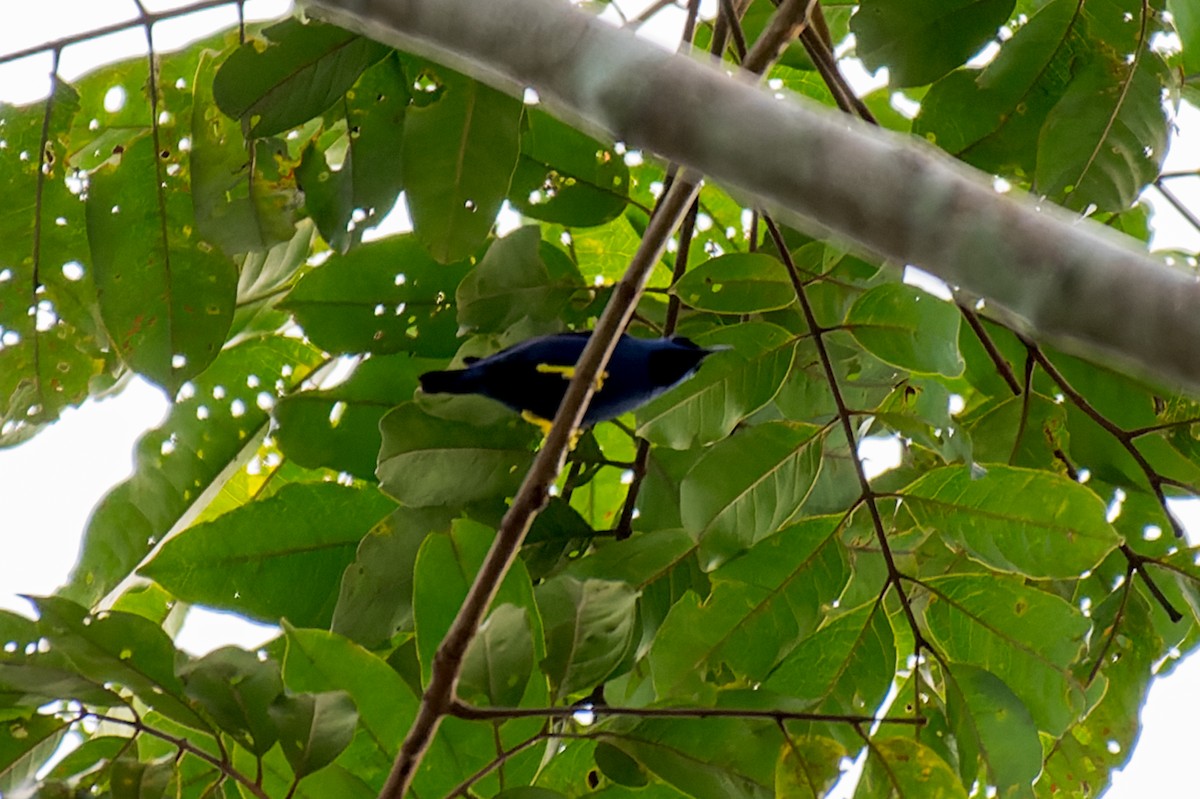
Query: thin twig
[(1137, 563), (865, 490), (184, 745)]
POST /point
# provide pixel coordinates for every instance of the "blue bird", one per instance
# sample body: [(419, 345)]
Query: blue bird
[(531, 377)]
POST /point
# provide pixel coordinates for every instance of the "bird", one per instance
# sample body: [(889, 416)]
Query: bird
[(531, 377)]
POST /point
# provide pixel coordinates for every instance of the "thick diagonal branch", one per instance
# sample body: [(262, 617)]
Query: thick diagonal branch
[(1055, 276)]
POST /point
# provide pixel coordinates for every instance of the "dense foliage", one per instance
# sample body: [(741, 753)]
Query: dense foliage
[(1001, 598)]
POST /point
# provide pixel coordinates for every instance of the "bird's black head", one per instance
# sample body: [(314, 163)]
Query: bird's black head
[(669, 365)]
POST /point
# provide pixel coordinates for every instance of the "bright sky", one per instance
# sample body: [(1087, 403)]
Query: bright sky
[(49, 485)]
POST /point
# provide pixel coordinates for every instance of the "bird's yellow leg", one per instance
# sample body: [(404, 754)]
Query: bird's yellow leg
[(568, 372), (545, 424)]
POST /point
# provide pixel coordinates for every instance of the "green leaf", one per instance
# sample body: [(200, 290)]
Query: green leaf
[(89, 756), (428, 461), (314, 728), (922, 41), (240, 205), (217, 421), (458, 154), (499, 660), (25, 744), (1010, 98), (729, 387), (565, 176), (1104, 740), (986, 713), (589, 627), (375, 601), (808, 767), (620, 767), (368, 174), (1057, 530), (121, 648), (384, 297), (445, 569), (906, 327), (166, 299), (744, 488), (731, 759), (738, 283), (763, 603), (1187, 24), (520, 276), (1106, 139), (338, 428), (135, 779), (294, 75), (1025, 637), (318, 661), (845, 667), (235, 688), (906, 769), (250, 560), (53, 346)]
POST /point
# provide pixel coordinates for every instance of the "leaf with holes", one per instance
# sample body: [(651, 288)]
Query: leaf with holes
[(740, 283), (217, 422), (458, 154), (338, 428), (384, 297), (166, 298), (565, 176), (295, 74)]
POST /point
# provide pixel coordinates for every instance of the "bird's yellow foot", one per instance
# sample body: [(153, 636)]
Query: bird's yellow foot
[(545, 424)]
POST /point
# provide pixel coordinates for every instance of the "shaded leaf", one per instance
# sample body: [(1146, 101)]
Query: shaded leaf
[(299, 72), (589, 626), (314, 728), (499, 660), (252, 559), (742, 489), (919, 42), (428, 461), (458, 154), (384, 297), (906, 769), (738, 283), (235, 688), (1057, 530), (906, 327)]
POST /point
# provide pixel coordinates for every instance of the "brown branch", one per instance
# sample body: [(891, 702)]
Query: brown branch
[(184, 745), (843, 413), (1123, 437), (1137, 563), (503, 757), (1001, 363), (470, 712)]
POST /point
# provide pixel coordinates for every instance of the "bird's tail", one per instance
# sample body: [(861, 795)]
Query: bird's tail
[(451, 381)]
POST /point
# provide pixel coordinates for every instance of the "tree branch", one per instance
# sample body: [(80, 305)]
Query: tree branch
[(1072, 281)]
